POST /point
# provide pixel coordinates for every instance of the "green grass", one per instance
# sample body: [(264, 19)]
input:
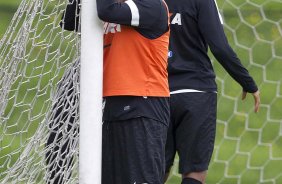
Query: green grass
[(248, 145), (7, 9)]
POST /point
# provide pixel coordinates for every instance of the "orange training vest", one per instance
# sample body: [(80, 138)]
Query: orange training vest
[(134, 65)]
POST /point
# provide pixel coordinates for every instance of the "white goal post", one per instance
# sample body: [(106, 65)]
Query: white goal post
[(41, 114), (90, 95)]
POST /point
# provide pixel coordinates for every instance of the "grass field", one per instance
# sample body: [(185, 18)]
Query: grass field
[(248, 146)]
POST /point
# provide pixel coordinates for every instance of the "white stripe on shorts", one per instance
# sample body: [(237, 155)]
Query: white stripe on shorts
[(187, 91)]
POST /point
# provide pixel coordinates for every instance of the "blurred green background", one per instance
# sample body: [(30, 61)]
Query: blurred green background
[(7, 10), (248, 146)]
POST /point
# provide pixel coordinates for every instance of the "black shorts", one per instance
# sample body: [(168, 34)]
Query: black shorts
[(133, 139), (133, 151), (191, 131)]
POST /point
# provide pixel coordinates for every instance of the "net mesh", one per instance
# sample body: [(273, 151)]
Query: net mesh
[(39, 95)]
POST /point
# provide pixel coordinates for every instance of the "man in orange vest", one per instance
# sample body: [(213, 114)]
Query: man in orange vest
[(135, 90)]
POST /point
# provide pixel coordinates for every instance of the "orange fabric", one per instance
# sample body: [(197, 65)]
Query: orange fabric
[(133, 64)]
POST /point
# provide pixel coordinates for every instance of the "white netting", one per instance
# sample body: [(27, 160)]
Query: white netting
[(39, 96), (248, 147)]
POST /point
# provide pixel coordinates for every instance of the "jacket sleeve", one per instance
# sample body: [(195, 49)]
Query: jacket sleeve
[(212, 30), (71, 16), (141, 14)]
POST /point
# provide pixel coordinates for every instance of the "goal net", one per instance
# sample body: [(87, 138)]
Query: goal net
[(39, 93), (248, 148)]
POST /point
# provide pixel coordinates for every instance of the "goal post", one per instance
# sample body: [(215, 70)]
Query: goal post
[(90, 95), (40, 91)]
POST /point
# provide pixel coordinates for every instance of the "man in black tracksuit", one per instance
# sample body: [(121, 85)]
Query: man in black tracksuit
[(195, 26)]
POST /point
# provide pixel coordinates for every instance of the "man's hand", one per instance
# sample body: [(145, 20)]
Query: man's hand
[(256, 98)]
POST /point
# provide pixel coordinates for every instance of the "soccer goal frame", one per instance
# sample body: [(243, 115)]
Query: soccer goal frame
[(91, 95)]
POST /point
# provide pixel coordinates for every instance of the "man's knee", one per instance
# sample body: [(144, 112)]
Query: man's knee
[(194, 177), (190, 181)]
